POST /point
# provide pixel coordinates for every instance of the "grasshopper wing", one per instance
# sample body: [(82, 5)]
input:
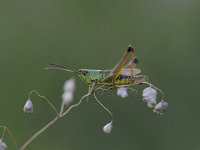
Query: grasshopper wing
[(130, 72), (130, 68)]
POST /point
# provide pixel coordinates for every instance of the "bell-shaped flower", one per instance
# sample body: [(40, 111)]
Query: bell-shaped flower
[(149, 95), (122, 91), (28, 107), (3, 145), (108, 128), (149, 92), (161, 107)]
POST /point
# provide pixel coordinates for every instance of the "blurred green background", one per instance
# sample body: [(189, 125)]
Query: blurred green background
[(94, 34)]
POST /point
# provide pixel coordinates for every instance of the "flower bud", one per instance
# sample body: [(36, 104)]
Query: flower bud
[(28, 107), (3, 145), (122, 91), (69, 85), (161, 107), (108, 128), (149, 91), (67, 98), (149, 96), (124, 94), (151, 103)]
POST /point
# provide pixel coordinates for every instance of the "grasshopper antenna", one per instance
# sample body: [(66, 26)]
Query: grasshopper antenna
[(54, 66)]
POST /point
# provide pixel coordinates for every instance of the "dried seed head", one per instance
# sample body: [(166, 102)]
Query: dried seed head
[(108, 128), (69, 85), (28, 107), (122, 91), (161, 107), (3, 145)]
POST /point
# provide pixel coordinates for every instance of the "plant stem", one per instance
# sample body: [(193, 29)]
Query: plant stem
[(35, 135), (75, 105), (43, 97), (38, 133)]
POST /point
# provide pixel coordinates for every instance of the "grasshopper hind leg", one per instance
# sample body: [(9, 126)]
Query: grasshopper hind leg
[(116, 71)]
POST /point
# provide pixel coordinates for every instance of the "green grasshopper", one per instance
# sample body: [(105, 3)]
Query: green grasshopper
[(120, 75)]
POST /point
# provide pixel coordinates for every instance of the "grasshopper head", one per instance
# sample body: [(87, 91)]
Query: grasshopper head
[(84, 75), (83, 72)]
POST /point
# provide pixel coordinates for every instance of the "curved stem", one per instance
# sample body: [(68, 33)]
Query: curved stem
[(43, 97), (75, 105), (151, 85), (104, 107)]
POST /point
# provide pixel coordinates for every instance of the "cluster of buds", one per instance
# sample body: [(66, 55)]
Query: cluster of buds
[(149, 96), (68, 95)]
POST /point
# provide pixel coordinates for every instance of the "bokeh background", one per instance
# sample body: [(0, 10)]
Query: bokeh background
[(94, 34)]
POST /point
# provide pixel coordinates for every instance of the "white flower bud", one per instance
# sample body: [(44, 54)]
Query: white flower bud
[(122, 91), (149, 96), (161, 107), (3, 145), (151, 103), (67, 98), (28, 107), (124, 94), (69, 85), (108, 128), (149, 91)]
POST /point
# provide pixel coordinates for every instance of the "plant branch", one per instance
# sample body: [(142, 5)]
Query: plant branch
[(35, 135)]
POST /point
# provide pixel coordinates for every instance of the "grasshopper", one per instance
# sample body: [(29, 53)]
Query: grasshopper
[(120, 75)]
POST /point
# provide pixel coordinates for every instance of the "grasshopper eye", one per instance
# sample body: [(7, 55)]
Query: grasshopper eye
[(136, 61), (84, 72)]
